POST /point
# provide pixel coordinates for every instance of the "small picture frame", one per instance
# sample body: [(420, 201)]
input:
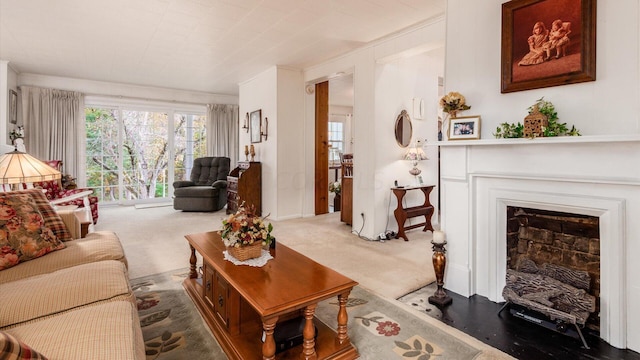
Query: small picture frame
[(420, 181), (465, 128), (13, 107), (255, 125)]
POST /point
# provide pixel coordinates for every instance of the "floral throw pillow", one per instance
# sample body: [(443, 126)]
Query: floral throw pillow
[(51, 218), (23, 234), (12, 348)]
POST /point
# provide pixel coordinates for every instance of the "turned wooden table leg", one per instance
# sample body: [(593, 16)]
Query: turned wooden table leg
[(343, 318), (193, 274), (308, 333), (269, 345), (400, 214)]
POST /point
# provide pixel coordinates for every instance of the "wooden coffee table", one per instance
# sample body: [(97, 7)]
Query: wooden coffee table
[(239, 303)]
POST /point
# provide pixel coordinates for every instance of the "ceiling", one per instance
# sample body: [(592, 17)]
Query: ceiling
[(198, 45)]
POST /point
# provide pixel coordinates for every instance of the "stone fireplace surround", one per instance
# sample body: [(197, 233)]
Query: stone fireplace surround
[(590, 175)]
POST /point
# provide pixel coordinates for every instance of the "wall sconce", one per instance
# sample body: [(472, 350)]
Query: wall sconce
[(246, 123), (265, 129)]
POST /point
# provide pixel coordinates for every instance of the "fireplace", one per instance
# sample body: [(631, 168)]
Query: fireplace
[(586, 177), (550, 237)]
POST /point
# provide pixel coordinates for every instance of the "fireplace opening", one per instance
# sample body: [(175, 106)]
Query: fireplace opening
[(557, 238)]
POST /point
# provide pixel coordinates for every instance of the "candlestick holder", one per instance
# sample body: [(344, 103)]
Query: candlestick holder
[(440, 297), (252, 151), (246, 153)]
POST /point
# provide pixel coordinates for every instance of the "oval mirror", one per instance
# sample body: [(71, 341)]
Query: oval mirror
[(403, 129)]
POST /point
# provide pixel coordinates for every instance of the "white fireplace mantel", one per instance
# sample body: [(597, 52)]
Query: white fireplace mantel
[(594, 175), (542, 140)]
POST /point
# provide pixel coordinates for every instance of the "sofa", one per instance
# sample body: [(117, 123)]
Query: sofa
[(207, 189), (63, 297)]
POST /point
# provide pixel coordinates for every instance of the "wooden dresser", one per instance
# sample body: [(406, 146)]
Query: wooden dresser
[(244, 184)]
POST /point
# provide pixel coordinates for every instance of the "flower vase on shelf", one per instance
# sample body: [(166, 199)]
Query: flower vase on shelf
[(451, 104), (336, 202)]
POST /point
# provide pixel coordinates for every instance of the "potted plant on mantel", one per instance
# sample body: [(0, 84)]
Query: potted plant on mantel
[(550, 128), (245, 233), (335, 188)]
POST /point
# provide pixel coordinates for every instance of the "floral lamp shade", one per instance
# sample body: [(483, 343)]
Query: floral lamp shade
[(415, 154), (17, 167)]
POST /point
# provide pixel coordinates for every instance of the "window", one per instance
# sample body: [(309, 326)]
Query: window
[(128, 151), (336, 140)]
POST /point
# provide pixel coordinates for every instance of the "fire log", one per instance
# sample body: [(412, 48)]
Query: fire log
[(577, 278), (540, 290)]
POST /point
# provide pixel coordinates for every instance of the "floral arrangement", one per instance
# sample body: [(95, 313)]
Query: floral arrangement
[(453, 102), (553, 128), (335, 187), (16, 134), (245, 228)]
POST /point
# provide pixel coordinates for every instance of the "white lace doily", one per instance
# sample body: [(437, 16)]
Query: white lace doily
[(256, 262)]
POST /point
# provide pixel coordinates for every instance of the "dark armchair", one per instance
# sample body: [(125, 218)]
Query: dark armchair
[(207, 189)]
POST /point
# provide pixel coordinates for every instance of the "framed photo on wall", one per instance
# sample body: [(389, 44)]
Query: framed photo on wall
[(465, 128), (547, 43), (255, 125), (13, 107)]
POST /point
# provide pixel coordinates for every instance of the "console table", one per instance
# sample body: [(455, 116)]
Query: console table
[(402, 214), (239, 303)]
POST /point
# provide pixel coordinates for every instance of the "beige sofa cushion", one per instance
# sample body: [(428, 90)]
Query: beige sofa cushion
[(97, 246), (63, 290), (105, 331)]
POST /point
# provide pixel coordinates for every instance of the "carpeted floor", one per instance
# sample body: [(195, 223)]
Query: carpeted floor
[(153, 240), (380, 329)]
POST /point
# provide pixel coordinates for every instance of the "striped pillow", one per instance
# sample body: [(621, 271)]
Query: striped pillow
[(51, 218), (12, 348)]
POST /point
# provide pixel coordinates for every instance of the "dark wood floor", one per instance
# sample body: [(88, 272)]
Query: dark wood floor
[(477, 316)]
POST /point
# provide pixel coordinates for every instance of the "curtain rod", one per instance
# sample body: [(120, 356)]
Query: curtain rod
[(145, 99)]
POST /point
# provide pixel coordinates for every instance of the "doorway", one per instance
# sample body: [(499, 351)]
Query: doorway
[(334, 137)]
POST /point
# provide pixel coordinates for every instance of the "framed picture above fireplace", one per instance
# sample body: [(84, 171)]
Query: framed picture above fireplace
[(547, 43)]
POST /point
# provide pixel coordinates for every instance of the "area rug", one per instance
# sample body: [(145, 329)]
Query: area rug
[(171, 325), (381, 329)]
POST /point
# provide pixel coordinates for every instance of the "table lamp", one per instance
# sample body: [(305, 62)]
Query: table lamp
[(415, 154), (17, 167)]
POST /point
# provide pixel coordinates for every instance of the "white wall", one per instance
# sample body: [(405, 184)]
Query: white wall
[(8, 81), (397, 83), (289, 128), (378, 77), (278, 92), (609, 105), (607, 110)]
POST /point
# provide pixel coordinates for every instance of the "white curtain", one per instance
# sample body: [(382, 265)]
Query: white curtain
[(54, 127), (222, 130)]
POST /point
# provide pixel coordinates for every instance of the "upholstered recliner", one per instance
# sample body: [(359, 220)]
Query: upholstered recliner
[(207, 189)]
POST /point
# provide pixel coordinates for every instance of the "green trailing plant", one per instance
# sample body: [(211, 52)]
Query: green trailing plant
[(553, 128), (509, 131)]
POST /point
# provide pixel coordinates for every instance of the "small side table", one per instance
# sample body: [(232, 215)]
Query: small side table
[(401, 213)]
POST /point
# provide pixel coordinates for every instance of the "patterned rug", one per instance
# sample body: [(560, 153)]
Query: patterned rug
[(380, 329)]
